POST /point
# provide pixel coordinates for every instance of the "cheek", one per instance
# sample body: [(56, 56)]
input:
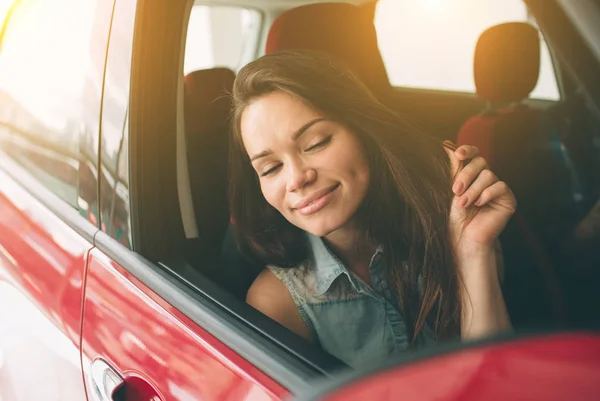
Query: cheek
[(272, 193), (356, 165), (360, 179), (364, 171), (363, 175)]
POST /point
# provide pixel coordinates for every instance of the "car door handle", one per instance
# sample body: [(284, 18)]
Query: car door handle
[(104, 381)]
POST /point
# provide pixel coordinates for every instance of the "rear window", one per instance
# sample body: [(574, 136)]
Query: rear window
[(220, 36), (430, 44)]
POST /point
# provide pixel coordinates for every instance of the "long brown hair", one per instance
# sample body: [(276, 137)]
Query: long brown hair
[(406, 208)]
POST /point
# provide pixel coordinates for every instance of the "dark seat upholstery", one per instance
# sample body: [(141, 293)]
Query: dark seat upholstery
[(207, 107), (506, 69), (207, 125), (342, 30), (524, 148), (523, 145)]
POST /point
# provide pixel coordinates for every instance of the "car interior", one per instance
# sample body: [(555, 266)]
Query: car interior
[(543, 149)]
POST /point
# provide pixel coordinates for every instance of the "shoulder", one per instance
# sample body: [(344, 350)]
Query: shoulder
[(275, 283), (267, 287), (271, 296)]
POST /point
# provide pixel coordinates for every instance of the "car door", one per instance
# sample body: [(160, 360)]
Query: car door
[(139, 346), (548, 367), (138, 342), (51, 68), (42, 262)]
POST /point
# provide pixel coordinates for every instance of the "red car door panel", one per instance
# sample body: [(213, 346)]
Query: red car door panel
[(157, 349), (42, 263), (556, 367)]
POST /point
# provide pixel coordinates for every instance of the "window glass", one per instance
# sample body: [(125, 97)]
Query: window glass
[(221, 37), (51, 68), (430, 43), (114, 171)]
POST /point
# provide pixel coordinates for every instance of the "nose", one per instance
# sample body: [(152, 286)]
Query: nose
[(299, 176)]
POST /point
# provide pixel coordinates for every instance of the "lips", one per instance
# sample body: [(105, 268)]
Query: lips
[(316, 201)]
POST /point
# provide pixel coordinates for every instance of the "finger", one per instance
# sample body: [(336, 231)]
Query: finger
[(484, 180), (468, 174), (465, 152), (498, 192)]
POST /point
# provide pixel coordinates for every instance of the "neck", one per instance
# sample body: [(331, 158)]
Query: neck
[(352, 246)]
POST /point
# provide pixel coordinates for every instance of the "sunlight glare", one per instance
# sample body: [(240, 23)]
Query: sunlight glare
[(20, 72), (4, 6), (433, 5)]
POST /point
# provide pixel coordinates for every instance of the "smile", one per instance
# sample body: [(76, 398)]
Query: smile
[(317, 201)]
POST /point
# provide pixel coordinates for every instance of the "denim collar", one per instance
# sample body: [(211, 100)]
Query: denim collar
[(328, 266)]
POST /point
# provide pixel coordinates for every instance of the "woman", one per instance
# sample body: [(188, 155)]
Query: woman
[(371, 246)]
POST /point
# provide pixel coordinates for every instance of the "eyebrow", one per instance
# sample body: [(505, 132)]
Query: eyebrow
[(295, 137)]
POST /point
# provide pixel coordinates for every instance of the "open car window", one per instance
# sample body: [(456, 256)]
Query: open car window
[(199, 267)]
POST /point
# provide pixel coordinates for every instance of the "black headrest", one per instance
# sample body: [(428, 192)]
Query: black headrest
[(342, 30), (507, 62)]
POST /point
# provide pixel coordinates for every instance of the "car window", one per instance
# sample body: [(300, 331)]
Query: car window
[(114, 172), (430, 44), (51, 67), (220, 36)]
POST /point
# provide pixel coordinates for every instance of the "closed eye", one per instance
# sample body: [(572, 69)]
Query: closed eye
[(319, 145), (271, 170)]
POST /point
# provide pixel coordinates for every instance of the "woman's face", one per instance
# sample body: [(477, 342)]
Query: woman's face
[(312, 170)]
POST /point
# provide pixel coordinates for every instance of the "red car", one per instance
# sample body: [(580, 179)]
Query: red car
[(119, 277)]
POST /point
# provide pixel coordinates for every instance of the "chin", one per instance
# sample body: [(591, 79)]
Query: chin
[(319, 232), (324, 228)]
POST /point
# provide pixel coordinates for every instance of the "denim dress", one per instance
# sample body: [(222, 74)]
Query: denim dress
[(357, 323)]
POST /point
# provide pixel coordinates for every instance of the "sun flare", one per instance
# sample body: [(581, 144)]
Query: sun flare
[(433, 5)]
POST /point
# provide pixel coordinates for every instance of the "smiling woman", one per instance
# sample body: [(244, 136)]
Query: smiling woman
[(370, 249), (292, 161)]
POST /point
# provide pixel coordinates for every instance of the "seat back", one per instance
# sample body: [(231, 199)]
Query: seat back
[(214, 251), (523, 148), (342, 30), (207, 106), (506, 70)]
